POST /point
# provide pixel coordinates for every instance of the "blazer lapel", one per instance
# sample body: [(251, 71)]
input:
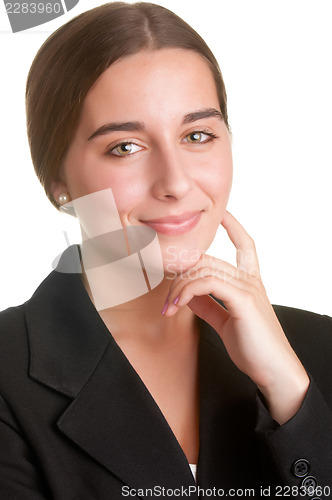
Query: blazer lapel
[(227, 418), (112, 416), (115, 419)]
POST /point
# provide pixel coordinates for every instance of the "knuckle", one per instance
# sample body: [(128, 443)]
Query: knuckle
[(205, 271), (250, 242), (253, 277), (249, 296), (227, 276)]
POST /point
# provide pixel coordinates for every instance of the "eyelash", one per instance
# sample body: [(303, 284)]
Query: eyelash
[(211, 136)]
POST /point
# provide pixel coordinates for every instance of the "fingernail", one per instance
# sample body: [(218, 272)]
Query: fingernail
[(171, 309), (176, 300), (165, 305)]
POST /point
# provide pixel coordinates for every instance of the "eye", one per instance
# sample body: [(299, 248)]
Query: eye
[(199, 137), (125, 149)]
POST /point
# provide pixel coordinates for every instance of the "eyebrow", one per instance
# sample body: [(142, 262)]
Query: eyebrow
[(139, 126), (203, 113)]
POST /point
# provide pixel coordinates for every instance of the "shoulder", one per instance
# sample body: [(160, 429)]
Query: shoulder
[(310, 335), (302, 326), (14, 351), (13, 333), (12, 323), (16, 323)]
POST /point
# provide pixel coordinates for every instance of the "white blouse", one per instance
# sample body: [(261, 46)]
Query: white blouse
[(193, 468)]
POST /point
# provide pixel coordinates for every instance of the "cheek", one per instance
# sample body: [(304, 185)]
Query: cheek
[(216, 180), (128, 195), (92, 177)]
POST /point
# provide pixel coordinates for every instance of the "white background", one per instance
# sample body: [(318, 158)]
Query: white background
[(275, 57)]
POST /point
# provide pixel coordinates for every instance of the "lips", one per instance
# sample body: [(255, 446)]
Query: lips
[(174, 219), (174, 224)]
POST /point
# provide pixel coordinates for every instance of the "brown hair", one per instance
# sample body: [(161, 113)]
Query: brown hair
[(75, 55)]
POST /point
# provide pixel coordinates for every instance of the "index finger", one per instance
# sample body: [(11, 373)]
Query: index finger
[(246, 256)]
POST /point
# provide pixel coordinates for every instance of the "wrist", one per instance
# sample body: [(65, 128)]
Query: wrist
[(285, 395)]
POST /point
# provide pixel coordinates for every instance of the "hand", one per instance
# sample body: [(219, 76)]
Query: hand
[(249, 327)]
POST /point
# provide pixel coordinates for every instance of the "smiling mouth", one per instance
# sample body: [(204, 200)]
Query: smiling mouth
[(175, 224)]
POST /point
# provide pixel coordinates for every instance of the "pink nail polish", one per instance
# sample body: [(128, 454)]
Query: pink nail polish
[(164, 308), (165, 305), (176, 300)]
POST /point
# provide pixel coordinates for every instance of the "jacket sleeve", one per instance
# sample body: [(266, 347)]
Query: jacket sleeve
[(300, 449), (19, 477)]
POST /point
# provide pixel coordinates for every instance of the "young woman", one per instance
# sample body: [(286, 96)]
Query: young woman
[(199, 386)]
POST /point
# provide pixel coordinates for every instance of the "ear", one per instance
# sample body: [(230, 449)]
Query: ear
[(58, 187)]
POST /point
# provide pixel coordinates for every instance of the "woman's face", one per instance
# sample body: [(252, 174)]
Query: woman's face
[(150, 130)]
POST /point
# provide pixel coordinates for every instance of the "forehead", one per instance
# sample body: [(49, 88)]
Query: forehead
[(161, 83)]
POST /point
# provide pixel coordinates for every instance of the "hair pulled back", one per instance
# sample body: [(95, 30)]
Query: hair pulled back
[(75, 55)]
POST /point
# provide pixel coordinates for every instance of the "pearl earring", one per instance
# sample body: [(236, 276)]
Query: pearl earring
[(64, 198)]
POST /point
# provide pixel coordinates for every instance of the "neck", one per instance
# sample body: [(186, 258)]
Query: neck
[(142, 316)]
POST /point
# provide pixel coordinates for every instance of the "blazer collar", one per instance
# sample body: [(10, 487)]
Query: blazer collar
[(60, 318), (112, 416)]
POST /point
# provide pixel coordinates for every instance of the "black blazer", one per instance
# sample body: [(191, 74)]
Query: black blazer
[(77, 422)]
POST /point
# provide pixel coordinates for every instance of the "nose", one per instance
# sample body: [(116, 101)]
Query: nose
[(172, 174)]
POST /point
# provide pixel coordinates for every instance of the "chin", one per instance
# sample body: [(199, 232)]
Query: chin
[(184, 253), (179, 260)]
